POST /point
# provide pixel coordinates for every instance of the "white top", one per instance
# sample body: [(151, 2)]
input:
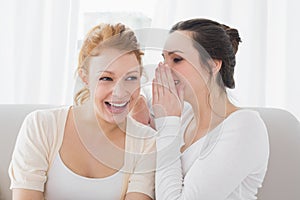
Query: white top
[(230, 162), (63, 182), (38, 144)]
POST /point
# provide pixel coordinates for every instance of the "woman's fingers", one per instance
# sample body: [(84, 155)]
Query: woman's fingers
[(164, 78), (159, 85), (167, 100), (154, 91), (170, 80), (180, 92)]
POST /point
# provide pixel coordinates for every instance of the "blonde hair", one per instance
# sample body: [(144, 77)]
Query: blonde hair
[(105, 36)]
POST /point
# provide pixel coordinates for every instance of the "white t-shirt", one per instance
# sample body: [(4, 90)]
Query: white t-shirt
[(78, 187), (229, 162)]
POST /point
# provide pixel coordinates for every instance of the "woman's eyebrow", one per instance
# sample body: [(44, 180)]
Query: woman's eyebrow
[(109, 72), (176, 51), (172, 52), (135, 71)]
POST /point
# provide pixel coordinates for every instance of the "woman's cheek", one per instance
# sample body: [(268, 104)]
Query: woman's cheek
[(134, 97)]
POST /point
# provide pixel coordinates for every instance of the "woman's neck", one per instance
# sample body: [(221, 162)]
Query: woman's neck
[(211, 110), (111, 129), (86, 115)]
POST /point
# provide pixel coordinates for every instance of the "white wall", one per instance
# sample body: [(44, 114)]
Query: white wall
[(38, 45)]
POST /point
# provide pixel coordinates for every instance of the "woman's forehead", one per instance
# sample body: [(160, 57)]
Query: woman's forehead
[(183, 45), (178, 41), (113, 60), (105, 57)]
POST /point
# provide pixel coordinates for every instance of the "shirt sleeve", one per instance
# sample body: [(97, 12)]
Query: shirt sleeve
[(142, 179), (29, 162), (141, 147), (241, 149)]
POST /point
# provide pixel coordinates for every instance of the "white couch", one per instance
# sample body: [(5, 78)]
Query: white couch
[(282, 180)]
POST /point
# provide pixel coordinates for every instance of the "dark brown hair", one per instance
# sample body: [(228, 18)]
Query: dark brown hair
[(218, 40)]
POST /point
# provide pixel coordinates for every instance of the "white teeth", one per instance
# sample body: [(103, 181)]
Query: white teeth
[(118, 105), (176, 82)]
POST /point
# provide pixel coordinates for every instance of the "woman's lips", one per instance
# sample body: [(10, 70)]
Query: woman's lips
[(116, 107), (175, 78), (176, 82)]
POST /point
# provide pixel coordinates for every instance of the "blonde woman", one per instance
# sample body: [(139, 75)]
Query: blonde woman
[(89, 150)]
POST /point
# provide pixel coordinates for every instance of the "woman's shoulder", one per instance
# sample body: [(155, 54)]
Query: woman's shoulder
[(247, 123), (243, 127), (245, 116), (44, 125), (44, 115), (136, 129), (45, 122)]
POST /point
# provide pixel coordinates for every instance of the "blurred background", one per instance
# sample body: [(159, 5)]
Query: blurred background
[(40, 41)]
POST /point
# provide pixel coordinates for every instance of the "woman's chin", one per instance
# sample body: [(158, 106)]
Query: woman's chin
[(118, 118)]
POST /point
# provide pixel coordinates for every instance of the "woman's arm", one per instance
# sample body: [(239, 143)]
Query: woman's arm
[(137, 196), (27, 170), (241, 150), (23, 194), (141, 155)]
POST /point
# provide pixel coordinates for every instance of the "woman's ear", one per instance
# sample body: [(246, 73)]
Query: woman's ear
[(217, 66), (83, 75)]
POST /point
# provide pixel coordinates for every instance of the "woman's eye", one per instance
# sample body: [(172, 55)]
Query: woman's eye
[(176, 60), (105, 79), (131, 78)]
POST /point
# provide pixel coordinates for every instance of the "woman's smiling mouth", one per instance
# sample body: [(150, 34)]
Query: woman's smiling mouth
[(116, 107), (176, 82)]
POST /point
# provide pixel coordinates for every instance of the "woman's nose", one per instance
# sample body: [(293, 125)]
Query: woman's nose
[(168, 62), (118, 90)]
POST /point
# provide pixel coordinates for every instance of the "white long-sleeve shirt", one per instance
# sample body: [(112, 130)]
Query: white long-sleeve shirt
[(230, 162)]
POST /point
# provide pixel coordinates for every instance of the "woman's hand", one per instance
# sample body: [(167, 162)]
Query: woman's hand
[(140, 111), (167, 100)]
